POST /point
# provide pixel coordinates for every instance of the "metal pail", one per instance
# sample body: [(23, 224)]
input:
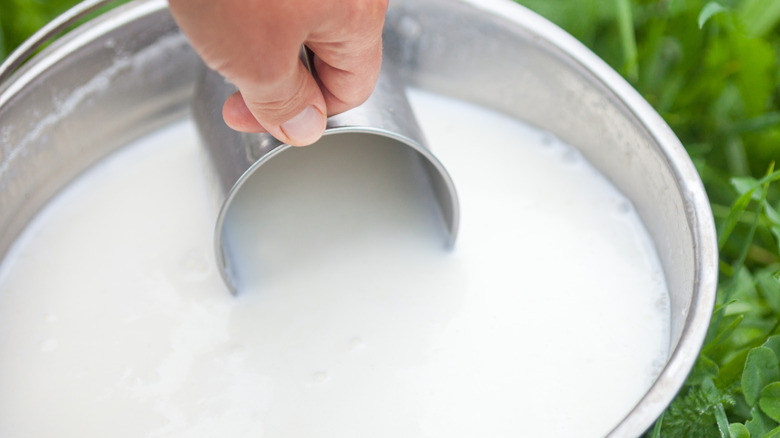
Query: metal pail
[(130, 71)]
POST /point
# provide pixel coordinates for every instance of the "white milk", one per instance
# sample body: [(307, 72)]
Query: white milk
[(549, 318)]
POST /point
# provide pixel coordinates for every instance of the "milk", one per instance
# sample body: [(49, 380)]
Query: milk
[(548, 318)]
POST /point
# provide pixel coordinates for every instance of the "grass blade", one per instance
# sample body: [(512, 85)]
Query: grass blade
[(759, 16), (625, 19), (708, 11)]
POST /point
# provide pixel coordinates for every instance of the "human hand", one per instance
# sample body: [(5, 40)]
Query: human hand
[(255, 44)]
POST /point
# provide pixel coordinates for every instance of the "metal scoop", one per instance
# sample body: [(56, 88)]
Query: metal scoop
[(234, 156)]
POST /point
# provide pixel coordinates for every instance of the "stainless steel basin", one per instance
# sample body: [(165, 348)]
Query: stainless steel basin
[(130, 71)]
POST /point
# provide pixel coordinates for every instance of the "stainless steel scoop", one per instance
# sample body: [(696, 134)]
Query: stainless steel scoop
[(234, 157)]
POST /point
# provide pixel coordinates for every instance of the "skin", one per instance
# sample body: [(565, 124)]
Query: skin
[(255, 45)]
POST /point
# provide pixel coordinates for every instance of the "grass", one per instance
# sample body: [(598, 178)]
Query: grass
[(20, 18), (710, 68)]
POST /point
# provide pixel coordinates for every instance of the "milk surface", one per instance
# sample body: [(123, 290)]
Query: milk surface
[(549, 317)]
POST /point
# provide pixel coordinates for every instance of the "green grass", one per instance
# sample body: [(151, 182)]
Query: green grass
[(711, 70), (20, 18)]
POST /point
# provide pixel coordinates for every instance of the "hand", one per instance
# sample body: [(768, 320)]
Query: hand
[(255, 45)]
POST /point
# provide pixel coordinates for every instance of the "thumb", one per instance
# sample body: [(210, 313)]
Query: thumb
[(287, 103)]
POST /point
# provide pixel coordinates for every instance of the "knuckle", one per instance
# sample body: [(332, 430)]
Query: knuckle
[(357, 93), (275, 101), (266, 75)]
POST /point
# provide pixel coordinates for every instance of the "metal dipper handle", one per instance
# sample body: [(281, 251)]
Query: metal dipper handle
[(234, 156)]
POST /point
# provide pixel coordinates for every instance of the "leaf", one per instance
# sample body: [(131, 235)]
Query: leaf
[(761, 368), (727, 226), (774, 433), (717, 408), (731, 372), (744, 290), (772, 177), (773, 343), (724, 306), (748, 239), (716, 346), (738, 430), (734, 146), (658, 426), (722, 420), (759, 424), (755, 75), (744, 184), (708, 11), (776, 232), (758, 17), (770, 400), (625, 21), (767, 120), (772, 214), (770, 291), (705, 368)]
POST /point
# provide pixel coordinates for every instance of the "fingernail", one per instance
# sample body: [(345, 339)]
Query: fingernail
[(305, 128)]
